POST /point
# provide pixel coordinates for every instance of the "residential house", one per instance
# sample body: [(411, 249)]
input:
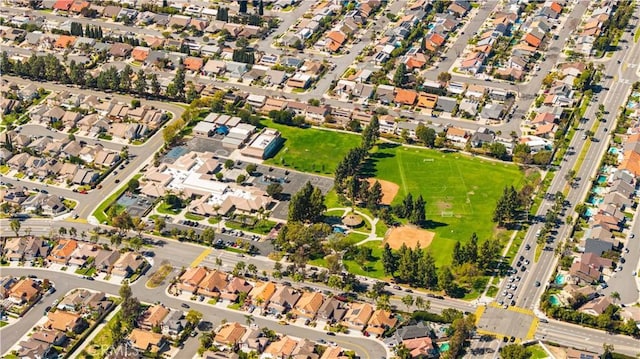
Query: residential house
[(380, 321), (263, 292), (253, 340), (65, 321), (190, 279), (446, 104), (25, 291), (332, 310), (457, 136), (25, 248), (235, 286), (230, 334), (127, 264), (308, 305), (358, 315), (82, 253), (153, 317), (405, 97), (281, 348), (582, 272), (283, 300), (213, 284), (173, 324), (146, 341), (408, 332), (61, 253), (597, 306)]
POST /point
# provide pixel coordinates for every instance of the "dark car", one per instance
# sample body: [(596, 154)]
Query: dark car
[(527, 247), (88, 278), (523, 268), (331, 334), (537, 284), (185, 305)]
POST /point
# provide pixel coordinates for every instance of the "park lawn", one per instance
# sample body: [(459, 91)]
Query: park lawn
[(354, 238), (375, 269), (461, 191), (310, 149), (103, 340)]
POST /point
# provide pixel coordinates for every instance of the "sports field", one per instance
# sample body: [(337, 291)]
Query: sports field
[(311, 150), (460, 191)]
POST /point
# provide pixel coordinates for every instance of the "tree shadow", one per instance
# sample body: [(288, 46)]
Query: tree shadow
[(368, 168), (431, 224)]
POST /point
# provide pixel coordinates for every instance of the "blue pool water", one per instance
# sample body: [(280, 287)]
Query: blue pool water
[(560, 279), (553, 299), (590, 211), (431, 26), (631, 104), (595, 200), (598, 190), (337, 229), (176, 152), (613, 151), (602, 179), (444, 347)]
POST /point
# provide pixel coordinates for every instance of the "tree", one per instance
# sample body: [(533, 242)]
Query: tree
[(62, 231), (514, 351), (241, 178), (133, 185), (155, 85), (389, 260), (159, 224), (307, 205), (115, 329), (251, 168), (382, 303), (427, 271), (15, 226), (193, 317), (447, 281), (228, 164), (125, 79), (274, 189), (408, 301), (426, 135), (399, 77), (444, 77), (615, 296), (405, 264), (335, 282), (260, 8), (422, 304), (140, 83), (130, 305), (135, 243)]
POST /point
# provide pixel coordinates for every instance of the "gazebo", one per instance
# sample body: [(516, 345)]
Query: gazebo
[(352, 220)]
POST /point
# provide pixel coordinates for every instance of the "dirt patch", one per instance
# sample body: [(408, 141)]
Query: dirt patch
[(410, 236), (389, 190), (443, 205)]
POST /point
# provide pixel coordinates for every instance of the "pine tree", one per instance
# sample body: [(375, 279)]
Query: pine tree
[(261, 8), (399, 77), (141, 83), (418, 215), (243, 6), (374, 197), (155, 85), (458, 254), (485, 256), (446, 280), (471, 249), (428, 271), (389, 260), (407, 206), (405, 264)]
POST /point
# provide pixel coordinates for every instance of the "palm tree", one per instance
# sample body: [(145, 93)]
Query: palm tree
[(249, 319), (62, 231), (15, 226), (408, 301), (73, 231), (422, 304), (252, 269), (27, 231), (615, 296)]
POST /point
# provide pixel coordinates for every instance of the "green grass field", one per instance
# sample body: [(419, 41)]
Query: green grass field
[(460, 191), (311, 150)]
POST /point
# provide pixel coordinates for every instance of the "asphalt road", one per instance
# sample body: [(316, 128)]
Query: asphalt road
[(64, 282)]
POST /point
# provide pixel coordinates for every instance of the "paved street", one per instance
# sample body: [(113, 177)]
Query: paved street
[(64, 282)]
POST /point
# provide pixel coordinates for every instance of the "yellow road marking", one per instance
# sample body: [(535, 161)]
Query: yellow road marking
[(532, 328), (364, 350), (521, 310), (479, 311), (201, 257), (77, 220)]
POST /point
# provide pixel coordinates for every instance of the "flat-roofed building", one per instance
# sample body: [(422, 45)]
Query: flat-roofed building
[(264, 145)]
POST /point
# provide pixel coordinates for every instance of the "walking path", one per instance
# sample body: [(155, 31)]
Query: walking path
[(372, 236)]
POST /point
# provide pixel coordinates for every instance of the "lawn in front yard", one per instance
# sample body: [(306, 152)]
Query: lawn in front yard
[(86, 271), (310, 149), (261, 227), (165, 208), (461, 191)]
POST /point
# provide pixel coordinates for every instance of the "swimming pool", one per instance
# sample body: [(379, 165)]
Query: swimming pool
[(560, 279), (602, 179), (590, 211), (595, 200), (613, 151), (338, 229), (553, 299), (444, 347)]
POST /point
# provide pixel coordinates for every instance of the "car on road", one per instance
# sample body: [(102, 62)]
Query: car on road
[(633, 235), (332, 334), (88, 277), (618, 269), (194, 334), (537, 283), (185, 305), (527, 246), (283, 322), (523, 268), (634, 273), (46, 310), (321, 341)]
